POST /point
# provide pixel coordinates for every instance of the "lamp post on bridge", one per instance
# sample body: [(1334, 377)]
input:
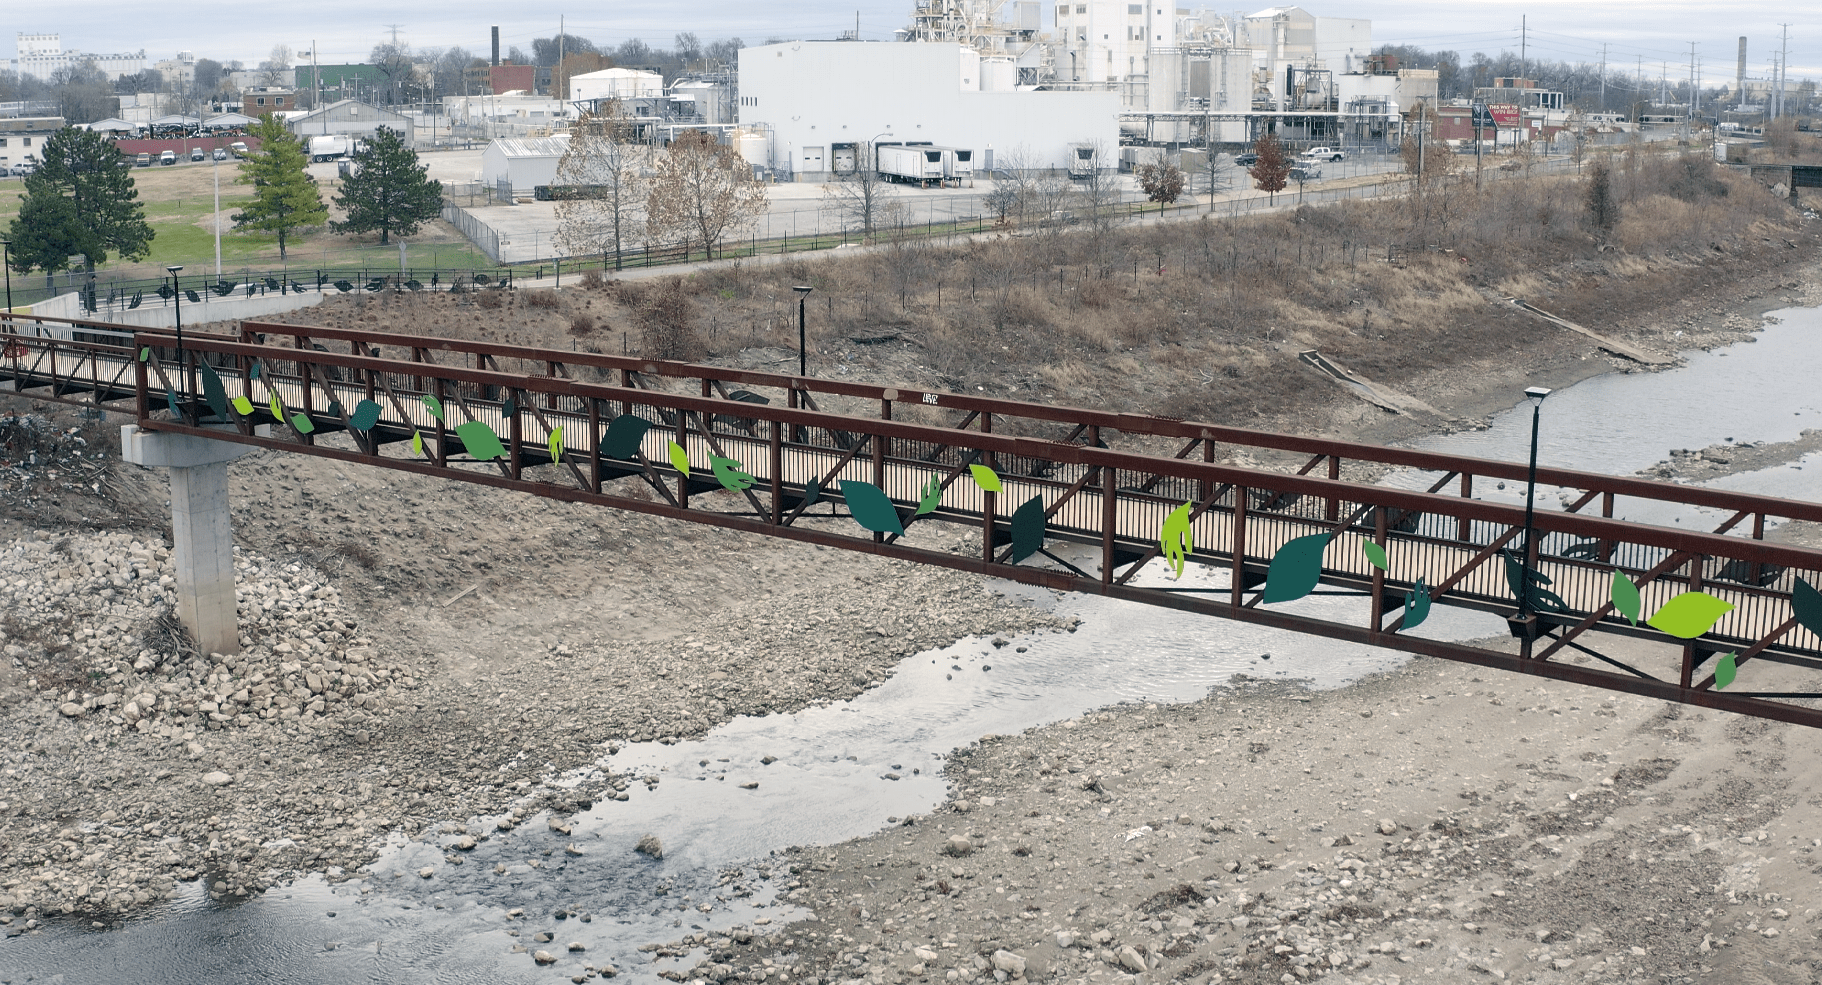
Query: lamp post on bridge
[(1536, 395), (803, 293), (6, 261), (177, 299)]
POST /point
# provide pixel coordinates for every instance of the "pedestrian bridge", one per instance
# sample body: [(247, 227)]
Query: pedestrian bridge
[(1067, 498)]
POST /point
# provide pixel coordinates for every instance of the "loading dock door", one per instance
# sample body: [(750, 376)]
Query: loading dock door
[(812, 159)]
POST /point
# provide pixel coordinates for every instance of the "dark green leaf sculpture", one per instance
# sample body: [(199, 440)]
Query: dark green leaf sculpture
[(1806, 603), (1375, 555), (1295, 569), (366, 415), (302, 424), (253, 370), (508, 409), (624, 435), (1690, 614), (870, 507), (192, 295), (213, 392), (1626, 597), (727, 472), (1028, 529), (812, 491), (435, 405), (1518, 575), (933, 495), (1416, 605), (170, 399), (481, 442), (1176, 541), (344, 286), (1725, 670)]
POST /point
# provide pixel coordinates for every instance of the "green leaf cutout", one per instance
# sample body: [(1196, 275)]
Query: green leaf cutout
[(1028, 529), (366, 415), (276, 407), (1806, 602), (435, 405), (812, 491), (253, 370), (145, 352), (417, 443), (933, 495), (302, 424), (242, 406), (481, 442), (680, 459), (986, 478), (624, 435), (870, 507), (556, 446), (1724, 671), (1416, 605), (213, 392), (1626, 597), (1690, 614), (509, 409), (1176, 541), (170, 399), (1375, 555), (1295, 569), (727, 472)]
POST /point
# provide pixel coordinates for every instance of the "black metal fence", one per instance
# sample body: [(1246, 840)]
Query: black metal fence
[(111, 294)]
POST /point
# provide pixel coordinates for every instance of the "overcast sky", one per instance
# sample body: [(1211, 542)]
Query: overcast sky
[(345, 30)]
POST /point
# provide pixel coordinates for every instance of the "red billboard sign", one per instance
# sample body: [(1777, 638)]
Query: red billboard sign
[(1504, 114)]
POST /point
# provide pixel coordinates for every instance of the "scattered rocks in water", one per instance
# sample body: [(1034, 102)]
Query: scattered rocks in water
[(651, 845)]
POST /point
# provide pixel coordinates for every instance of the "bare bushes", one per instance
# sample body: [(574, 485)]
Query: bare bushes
[(666, 318)]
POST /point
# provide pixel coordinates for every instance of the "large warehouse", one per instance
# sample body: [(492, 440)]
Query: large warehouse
[(815, 99)]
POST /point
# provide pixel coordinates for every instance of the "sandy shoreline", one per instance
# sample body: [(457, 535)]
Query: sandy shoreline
[(481, 600)]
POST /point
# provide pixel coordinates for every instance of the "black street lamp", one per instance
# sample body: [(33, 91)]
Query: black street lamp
[(1536, 395), (803, 293), (177, 296), (6, 261)]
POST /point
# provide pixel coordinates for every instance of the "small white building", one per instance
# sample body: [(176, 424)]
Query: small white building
[(616, 83), (524, 162), (819, 99)]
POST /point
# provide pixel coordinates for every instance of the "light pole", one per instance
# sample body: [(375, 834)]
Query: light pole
[(6, 261), (177, 298), (803, 293), (1536, 395)]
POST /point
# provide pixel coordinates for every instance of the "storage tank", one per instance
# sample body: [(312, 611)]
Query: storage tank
[(998, 75), (752, 148), (971, 70)]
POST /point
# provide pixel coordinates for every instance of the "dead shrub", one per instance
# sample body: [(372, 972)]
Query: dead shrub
[(582, 325), (491, 300), (666, 320), (593, 279), (546, 300)]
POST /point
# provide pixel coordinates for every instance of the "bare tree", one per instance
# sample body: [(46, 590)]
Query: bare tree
[(702, 191), (1098, 191), (276, 68), (1024, 189), (863, 197), (394, 63), (604, 168)]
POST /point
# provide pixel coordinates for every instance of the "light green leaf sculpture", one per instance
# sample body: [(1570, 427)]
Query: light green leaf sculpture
[(1725, 670), (1295, 569), (986, 478), (145, 352), (871, 508), (556, 446), (366, 415), (1690, 614), (1177, 541), (212, 391), (435, 406), (680, 459), (1375, 555), (302, 424), (417, 443), (1028, 529), (1416, 605), (1806, 603), (276, 407), (242, 406), (727, 472), (933, 495), (482, 444), (624, 435), (1626, 597)]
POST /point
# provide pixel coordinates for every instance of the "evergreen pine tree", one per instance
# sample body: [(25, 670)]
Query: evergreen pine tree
[(80, 201), (388, 190), (284, 197)]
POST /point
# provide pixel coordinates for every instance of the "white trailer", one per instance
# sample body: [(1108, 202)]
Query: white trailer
[(958, 164), (1083, 161), (920, 164), (331, 147)]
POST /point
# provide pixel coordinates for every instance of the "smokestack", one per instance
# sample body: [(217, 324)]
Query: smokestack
[(1739, 75), (496, 44)]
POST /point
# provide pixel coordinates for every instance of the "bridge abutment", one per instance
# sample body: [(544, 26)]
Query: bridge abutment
[(202, 529)]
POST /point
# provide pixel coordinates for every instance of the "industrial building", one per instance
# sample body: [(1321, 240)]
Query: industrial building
[(514, 167), (349, 117)]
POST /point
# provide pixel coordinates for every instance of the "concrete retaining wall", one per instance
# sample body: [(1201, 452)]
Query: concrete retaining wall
[(159, 314)]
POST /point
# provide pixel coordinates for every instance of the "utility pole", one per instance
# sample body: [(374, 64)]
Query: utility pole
[(1783, 67), (1689, 109), (1523, 36), (562, 92), (1603, 77), (395, 32)]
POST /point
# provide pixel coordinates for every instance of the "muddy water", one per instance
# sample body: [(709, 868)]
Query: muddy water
[(847, 770)]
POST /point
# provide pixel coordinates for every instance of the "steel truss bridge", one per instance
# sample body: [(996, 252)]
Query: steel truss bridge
[(1105, 481)]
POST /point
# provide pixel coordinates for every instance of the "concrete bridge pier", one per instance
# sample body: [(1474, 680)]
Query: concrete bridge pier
[(202, 533)]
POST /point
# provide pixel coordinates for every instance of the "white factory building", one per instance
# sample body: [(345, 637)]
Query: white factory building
[(809, 100), (41, 55)]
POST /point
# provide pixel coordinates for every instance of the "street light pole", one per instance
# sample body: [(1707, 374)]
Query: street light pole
[(6, 261), (803, 293), (1536, 395), (177, 297)]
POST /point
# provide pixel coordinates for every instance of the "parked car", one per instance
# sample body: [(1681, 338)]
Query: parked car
[(221, 153), (1324, 154), (168, 157), (1305, 172), (19, 170), (143, 160), (1246, 160), (198, 154), (239, 148)]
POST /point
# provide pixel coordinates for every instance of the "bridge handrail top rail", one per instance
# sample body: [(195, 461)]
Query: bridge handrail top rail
[(1138, 424), (1594, 528)]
